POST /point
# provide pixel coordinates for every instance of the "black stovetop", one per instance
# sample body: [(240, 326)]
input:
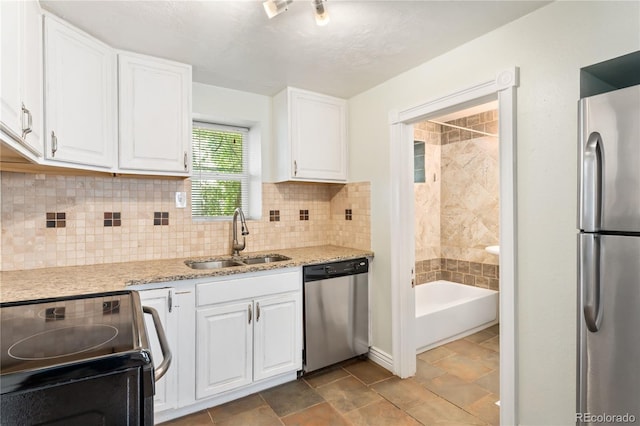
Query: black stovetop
[(44, 334)]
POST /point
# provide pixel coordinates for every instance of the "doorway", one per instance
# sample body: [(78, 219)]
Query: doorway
[(503, 89)]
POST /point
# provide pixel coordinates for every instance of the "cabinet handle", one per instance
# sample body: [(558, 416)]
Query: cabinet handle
[(170, 301), (161, 369), (257, 312), (295, 168), (26, 129), (249, 313), (54, 143), (186, 165)]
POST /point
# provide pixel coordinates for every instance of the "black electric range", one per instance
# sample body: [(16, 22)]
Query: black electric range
[(75, 360)]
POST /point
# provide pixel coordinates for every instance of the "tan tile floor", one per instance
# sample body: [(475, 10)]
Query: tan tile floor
[(455, 384)]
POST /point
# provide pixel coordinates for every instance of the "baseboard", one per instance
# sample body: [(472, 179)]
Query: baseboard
[(381, 358)]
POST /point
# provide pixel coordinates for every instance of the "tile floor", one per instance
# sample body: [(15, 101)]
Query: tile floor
[(455, 384)]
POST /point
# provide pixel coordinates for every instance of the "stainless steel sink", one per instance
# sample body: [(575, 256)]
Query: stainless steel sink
[(265, 259), (213, 264), (227, 263)]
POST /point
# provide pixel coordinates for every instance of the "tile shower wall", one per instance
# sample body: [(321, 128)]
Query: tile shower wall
[(427, 195), (483, 275), (86, 201), (461, 206)]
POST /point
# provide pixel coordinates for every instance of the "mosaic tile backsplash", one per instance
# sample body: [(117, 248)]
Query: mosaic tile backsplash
[(120, 219)]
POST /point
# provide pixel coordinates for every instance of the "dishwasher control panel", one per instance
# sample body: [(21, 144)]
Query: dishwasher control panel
[(336, 269)]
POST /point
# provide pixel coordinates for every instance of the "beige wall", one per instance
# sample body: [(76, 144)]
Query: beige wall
[(549, 46), (84, 240)]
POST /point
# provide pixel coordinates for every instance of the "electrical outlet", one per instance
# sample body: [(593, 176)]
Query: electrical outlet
[(181, 200)]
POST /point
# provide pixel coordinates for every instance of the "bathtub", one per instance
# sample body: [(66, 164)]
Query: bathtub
[(447, 311)]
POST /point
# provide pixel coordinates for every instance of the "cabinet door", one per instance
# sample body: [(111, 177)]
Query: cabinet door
[(11, 19), (80, 96), (154, 114), (224, 348), (161, 300), (318, 133), (277, 335), (21, 81), (32, 92)]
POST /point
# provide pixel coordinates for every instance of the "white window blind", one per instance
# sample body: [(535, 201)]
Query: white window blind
[(220, 178)]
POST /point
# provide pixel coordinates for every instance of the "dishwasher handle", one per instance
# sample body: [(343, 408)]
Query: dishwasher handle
[(164, 344)]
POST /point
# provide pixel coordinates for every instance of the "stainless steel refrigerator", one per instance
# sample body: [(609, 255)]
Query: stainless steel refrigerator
[(609, 259)]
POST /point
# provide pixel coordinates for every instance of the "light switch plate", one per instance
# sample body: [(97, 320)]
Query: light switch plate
[(181, 200)]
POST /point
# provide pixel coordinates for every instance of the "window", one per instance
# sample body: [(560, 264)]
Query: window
[(418, 162), (220, 178)]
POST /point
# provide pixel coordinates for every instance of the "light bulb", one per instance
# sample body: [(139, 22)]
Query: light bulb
[(322, 15), (275, 7)]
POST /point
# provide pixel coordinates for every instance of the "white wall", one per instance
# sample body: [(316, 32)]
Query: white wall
[(226, 106), (550, 46)]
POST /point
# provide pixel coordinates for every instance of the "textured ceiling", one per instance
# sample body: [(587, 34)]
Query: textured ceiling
[(233, 44)]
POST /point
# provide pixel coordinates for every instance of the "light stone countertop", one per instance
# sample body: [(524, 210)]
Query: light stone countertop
[(74, 280)]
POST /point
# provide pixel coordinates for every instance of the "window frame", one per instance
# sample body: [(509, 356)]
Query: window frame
[(246, 178)]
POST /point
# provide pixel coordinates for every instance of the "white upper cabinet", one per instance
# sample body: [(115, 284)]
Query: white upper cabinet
[(154, 114), (80, 97), (21, 76), (311, 137)]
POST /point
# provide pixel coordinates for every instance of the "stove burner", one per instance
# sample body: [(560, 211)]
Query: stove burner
[(62, 342)]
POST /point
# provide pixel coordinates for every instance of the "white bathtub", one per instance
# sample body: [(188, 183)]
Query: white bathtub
[(447, 311)]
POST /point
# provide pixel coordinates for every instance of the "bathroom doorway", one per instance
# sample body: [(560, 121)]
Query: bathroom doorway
[(503, 90), (456, 206)]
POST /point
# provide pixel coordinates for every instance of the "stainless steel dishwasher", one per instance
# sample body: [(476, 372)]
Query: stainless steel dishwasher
[(336, 312)]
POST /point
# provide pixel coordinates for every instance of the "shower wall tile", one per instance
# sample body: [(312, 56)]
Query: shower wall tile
[(427, 195), (459, 271), (456, 209), (26, 243)]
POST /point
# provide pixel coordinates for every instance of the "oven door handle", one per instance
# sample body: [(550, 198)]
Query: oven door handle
[(161, 369)]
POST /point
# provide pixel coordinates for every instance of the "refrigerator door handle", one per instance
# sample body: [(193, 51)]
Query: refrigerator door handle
[(591, 183), (590, 281)]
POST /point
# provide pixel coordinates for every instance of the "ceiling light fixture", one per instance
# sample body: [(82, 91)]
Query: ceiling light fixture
[(276, 7), (322, 15)]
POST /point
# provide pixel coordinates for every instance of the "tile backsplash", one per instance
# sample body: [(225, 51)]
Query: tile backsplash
[(141, 204)]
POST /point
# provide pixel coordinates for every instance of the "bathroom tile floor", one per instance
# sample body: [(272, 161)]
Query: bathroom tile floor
[(455, 384)]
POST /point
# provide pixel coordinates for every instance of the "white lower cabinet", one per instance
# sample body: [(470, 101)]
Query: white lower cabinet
[(242, 342), (230, 336), (166, 396), (275, 335), (225, 348)]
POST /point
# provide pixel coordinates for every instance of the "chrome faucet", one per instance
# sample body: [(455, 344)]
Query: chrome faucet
[(245, 231)]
